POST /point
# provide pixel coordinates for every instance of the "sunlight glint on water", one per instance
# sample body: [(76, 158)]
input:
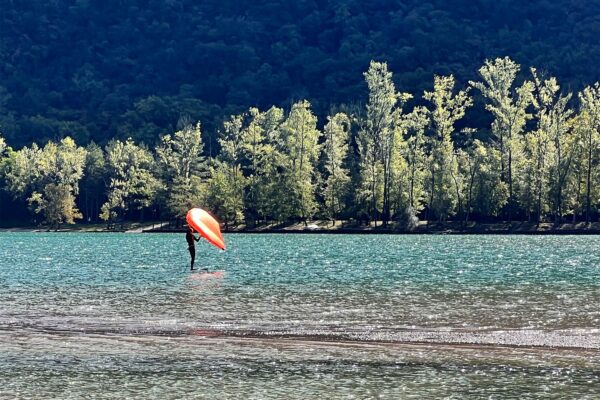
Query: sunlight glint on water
[(299, 316)]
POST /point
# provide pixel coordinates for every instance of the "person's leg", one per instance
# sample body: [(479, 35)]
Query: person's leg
[(192, 250)]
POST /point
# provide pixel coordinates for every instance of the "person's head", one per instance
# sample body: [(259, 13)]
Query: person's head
[(190, 229)]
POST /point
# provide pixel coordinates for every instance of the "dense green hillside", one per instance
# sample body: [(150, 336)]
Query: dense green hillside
[(117, 68)]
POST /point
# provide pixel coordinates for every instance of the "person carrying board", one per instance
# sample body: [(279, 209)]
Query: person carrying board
[(189, 236), (207, 226)]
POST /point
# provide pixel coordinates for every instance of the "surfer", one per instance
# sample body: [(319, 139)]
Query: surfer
[(189, 236)]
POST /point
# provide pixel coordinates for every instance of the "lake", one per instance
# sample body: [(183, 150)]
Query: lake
[(110, 315)]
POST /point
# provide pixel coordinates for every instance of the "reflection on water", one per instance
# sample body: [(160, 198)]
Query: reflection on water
[(299, 316)]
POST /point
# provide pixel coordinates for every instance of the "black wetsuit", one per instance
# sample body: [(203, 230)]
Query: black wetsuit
[(189, 236)]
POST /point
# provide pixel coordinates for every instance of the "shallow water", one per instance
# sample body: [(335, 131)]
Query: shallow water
[(299, 316)]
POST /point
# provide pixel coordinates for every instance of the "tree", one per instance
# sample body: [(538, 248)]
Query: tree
[(590, 137), (379, 132), (509, 106), (182, 169), (23, 171), (486, 194), (225, 193), (132, 184), (447, 109), (553, 148), (399, 184), (300, 151), (414, 153), (335, 151), (227, 182), (5, 158), (49, 179), (93, 185), (369, 193), (57, 205), (262, 160)]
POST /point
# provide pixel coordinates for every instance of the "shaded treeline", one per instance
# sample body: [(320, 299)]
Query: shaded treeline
[(381, 162), (96, 70)]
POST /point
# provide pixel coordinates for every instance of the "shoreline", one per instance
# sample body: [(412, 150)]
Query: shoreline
[(325, 227), (423, 228)]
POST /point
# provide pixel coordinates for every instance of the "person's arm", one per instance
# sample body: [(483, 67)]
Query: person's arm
[(197, 239)]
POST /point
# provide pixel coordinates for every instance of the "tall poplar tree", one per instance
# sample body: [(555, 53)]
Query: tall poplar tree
[(447, 109), (335, 151), (227, 182), (590, 137), (300, 139), (554, 150), (259, 160), (509, 106), (132, 183), (378, 133), (263, 148), (254, 151), (182, 169), (416, 122), (3, 160), (398, 202), (485, 193), (93, 185)]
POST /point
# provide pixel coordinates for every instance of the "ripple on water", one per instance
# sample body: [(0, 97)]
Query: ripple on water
[(299, 316)]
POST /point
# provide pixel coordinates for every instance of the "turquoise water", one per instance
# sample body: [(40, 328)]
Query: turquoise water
[(299, 316)]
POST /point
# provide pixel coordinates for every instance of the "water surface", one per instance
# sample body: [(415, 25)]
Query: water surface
[(299, 316)]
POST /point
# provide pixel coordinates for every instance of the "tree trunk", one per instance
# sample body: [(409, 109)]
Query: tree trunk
[(431, 196), (458, 196), (558, 218), (510, 187), (470, 196), (588, 181), (412, 185)]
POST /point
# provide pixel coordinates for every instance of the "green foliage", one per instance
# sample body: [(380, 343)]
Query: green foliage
[(588, 131), (57, 205), (415, 156), (135, 66), (225, 194), (186, 194), (381, 135), (447, 109), (181, 167), (552, 149), (227, 183), (261, 160), (4, 157), (23, 171), (486, 193), (541, 162), (379, 141), (299, 155), (132, 183), (335, 152), (509, 106), (48, 178), (93, 185)]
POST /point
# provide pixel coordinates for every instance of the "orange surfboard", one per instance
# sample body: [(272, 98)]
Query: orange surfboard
[(206, 226)]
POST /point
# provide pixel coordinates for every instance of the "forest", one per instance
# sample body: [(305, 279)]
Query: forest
[(97, 70), (397, 157)]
